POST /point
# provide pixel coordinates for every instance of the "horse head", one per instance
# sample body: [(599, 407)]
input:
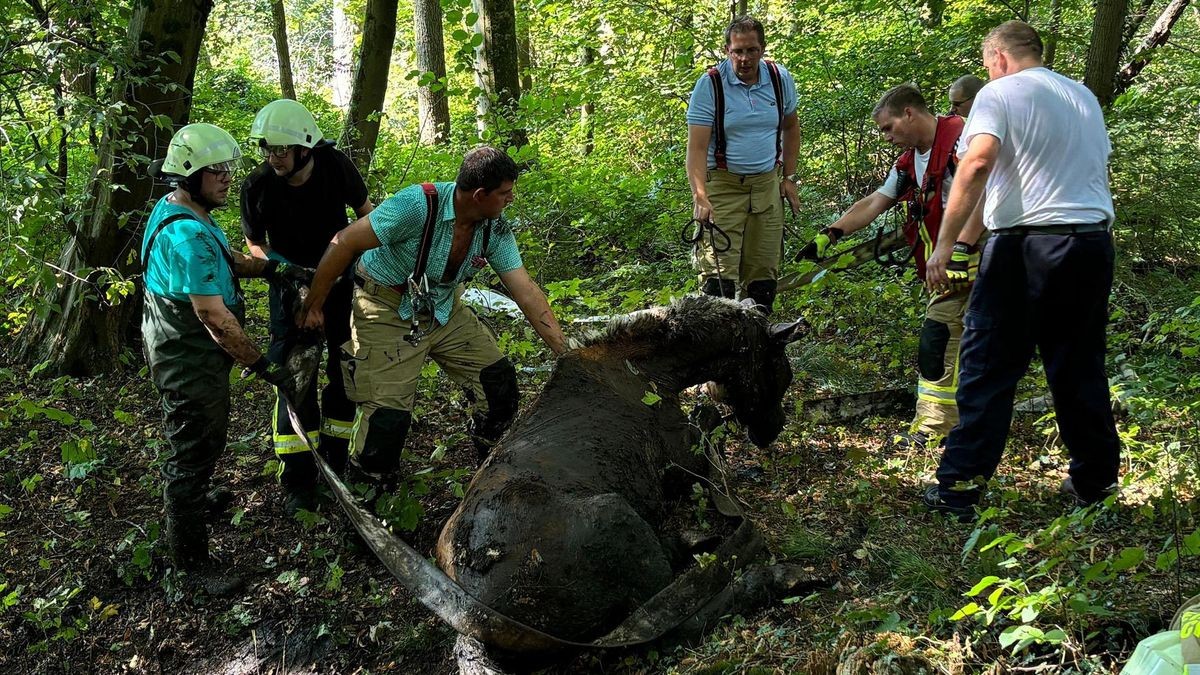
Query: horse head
[(755, 372), (701, 338)]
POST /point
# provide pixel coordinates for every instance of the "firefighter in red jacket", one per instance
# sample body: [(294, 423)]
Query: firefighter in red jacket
[(920, 182)]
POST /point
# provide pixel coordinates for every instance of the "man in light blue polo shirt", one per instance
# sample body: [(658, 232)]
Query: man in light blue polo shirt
[(382, 362), (743, 141)]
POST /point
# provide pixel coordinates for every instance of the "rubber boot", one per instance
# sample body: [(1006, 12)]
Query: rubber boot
[(763, 293), (187, 543), (721, 288)]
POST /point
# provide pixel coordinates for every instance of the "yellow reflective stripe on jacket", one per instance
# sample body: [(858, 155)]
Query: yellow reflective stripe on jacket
[(337, 428)]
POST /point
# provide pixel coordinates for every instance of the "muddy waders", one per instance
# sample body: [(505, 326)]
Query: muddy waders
[(191, 373)]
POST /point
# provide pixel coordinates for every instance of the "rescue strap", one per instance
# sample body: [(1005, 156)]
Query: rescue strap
[(469, 616), (697, 235), (714, 76), (237, 286)]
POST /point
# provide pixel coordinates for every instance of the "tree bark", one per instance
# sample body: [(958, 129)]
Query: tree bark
[(433, 108), (1105, 50), (524, 54), (1157, 37), (1134, 23), (343, 50), (279, 30), (496, 71), (83, 333), (588, 110), (1052, 33), (370, 82)]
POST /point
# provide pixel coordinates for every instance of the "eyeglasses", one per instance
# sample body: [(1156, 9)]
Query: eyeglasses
[(747, 52), (959, 104), (221, 171), (279, 151)]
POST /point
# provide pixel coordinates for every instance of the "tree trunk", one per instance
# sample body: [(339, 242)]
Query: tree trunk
[(587, 112), (1134, 23), (84, 333), (1157, 37), (1052, 33), (370, 82), (279, 30), (1105, 50), (343, 50), (433, 108), (496, 71), (524, 54)]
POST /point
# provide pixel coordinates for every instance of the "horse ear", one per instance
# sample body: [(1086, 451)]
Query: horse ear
[(784, 333)]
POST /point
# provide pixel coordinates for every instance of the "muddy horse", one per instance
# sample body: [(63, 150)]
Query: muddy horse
[(562, 528)]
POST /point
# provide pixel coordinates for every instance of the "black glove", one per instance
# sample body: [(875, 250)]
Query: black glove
[(817, 249), (283, 272), (278, 376)]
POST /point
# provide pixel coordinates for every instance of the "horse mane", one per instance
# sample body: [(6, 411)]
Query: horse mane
[(687, 320)]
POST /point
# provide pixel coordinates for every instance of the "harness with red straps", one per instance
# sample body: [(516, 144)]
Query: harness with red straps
[(714, 76), (923, 203), (418, 288)]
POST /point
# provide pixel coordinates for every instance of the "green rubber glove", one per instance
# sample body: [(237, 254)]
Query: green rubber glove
[(819, 247), (281, 272)]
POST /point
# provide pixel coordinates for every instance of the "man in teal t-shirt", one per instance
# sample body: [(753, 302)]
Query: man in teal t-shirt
[(382, 367), (192, 334)]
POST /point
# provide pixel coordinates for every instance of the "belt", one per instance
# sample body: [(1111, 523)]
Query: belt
[(1075, 228)]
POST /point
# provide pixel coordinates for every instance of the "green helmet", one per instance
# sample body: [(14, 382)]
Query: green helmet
[(197, 146), (285, 122)]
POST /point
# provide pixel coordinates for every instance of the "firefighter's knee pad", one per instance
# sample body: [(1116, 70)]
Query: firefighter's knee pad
[(721, 288), (931, 354), (386, 430), (763, 293)]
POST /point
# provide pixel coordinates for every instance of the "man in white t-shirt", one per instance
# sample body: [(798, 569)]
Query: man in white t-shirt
[(1037, 153), (920, 181)]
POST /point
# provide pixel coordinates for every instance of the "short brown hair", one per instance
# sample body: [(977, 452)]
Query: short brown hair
[(967, 85), (896, 99), (746, 24), (1015, 37)]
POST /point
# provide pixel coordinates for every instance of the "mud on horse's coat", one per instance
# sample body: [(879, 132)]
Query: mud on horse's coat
[(561, 527)]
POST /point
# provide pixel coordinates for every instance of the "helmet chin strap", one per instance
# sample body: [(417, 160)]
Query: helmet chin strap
[(300, 163)]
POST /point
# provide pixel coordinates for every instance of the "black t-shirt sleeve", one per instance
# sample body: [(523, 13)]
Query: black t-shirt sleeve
[(253, 227), (355, 189)]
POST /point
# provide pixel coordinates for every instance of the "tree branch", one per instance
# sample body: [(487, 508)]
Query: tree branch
[(1157, 37)]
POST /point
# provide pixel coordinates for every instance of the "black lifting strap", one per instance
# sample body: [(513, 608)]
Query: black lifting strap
[(184, 216)]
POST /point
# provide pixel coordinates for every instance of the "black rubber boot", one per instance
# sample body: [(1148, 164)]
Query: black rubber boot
[(187, 543), (721, 288), (297, 500), (763, 293)]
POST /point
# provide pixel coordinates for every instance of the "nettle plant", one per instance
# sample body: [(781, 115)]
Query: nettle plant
[(1053, 587)]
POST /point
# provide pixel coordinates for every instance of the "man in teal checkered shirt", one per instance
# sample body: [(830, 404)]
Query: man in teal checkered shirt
[(381, 367)]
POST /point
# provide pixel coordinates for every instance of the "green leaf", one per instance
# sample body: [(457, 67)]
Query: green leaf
[(966, 610), (5, 509), (651, 398), (1128, 557), (983, 584), (1020, 637)]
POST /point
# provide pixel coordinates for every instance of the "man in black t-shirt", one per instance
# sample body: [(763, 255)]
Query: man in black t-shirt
[(292, 205)]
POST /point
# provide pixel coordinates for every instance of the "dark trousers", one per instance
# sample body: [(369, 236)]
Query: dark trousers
[(334, 416), (1049, 291)]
